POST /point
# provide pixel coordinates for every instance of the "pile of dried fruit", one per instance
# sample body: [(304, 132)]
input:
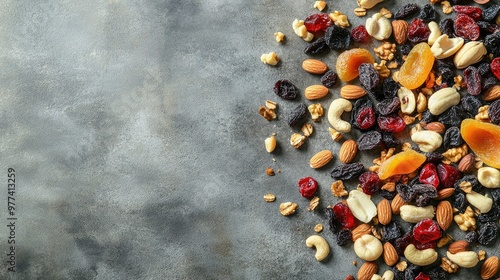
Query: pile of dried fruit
[(429, 102)]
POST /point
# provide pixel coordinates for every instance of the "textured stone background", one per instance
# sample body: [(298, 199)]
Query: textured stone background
[(133, 129)]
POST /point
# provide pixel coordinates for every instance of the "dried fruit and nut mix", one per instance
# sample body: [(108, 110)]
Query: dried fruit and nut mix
[(427, 99)]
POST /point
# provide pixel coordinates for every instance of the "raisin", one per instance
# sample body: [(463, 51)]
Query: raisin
[(487, 28), (428, 13), (472, 80), (370, 140), (392, 123), (406, 192), (369, 182), (357, 114), (489, 82), (401, 243), (433, 157), (344, 215), (391, 231), (390, 87), (495, 67), (484, 69), (406, 48), (428, 117), (491, 12), (377, 92), (337, 38), (428, 175), (494, 111), (487, 233), (448, 174), (492, 215), (474, 12), (495, 194), (427, 230), (347, 171), (329, 79), (437, 273), (389, 140), (446, 27), (452, 138), (471, 104), (333, 223), (344, 236), (365, 118), (406, 11), (387, 194), (453, 116), (459, 201), (492, 44), (418, 31), (316, 47), (471, 237), (448, 77), (285, 89), (297, 115), (422, 276), (466, 27), (470, 179), (398, 275), (360, 35), (412, 271), (307, 187), (388, 106), (368, 76), (424, 194), (317, 22)]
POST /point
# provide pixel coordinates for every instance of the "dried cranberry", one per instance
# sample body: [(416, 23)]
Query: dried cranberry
[(422, 276), (333, 223), (329, 79), (317, 22), (474, 12), (429, 175), (472, 80), (418, 31), (495, 67), (344, 215), (426, 231), (392, 123), (337, 38), (316, 47), (466, 27), (423, 246), (285, 89), (370, 182), (365, 117), (448, 174), (360, 35), (307, 186), (406, 10)]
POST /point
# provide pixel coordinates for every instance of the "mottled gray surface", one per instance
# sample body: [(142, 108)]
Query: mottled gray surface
[(138, 150)]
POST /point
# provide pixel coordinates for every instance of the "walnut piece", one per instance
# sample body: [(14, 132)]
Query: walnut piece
[(459, 82), (296, 140), (336, 136), (386, 50), (402, 265), (270, 171), (389, 186), (313, 204), (455, 154), (360, 12), (481, 255), (447, 9), (318, 228), (465, 186), (338, 189), (268, 114), (466, 221), (269, 197), (482, 114), (280, 37), (448, 265), (320, 5), (382, 69), (307, 129), (339, 19), (288, 208), (316, 111), (386, 13)]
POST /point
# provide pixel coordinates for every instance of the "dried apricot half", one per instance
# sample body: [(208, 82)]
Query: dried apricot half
[(349, 61), (417, 66), (484, 139), (401, 163)]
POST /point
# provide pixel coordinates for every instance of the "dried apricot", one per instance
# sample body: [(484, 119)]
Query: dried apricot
[(417, 66), (401, 163), (349, 61), (484, 139)]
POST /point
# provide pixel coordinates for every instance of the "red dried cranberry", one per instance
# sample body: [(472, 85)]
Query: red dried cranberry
[(307, 186), (466, 27), (391, 123), (360, 35), (422, 276), (344, 215), (495, 67), (369, 182), (474, 12), (418, 31), (429, 175), (426, 231), (448, 174), (317, 22), (365, 117)]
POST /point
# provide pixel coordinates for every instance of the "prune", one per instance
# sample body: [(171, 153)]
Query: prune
[(492, 44), (471, 237), (424, 194), (390, 87), (387, 194), (401, 243), (446, 27), (448, 174), (344, 215), (369, 182), (452, 138), (422, 276), (494, 111), (391, 231), (471, 104), (491, 12), (492, 216), (337, 38), (495, 194), (360, 35), (317, 46), (472, 80), (389, 140), (347, 171), (418, 31), (317, 22), (459, 202), (428, 175), (428, 13), (406, 11), (369, 140), (365, 117), (453, 116), (474, 12), (344, 236), (391, 123), (307, 186), (437, 273), (297, 115), (412, 271), (426, 230), (487, 27), (285, 89), (406, 192), (466, 27), (487, 233), (368, 76), (329, 79), (388, 106), (333, 224)]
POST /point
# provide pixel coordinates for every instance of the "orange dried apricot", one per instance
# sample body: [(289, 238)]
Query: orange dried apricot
[(417, 66), (484, 139), (349, 61), (401, 163)]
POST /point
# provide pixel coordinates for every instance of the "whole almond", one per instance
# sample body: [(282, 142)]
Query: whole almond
[(348, 151), (444, 214), (490, 267), (400, 30), (396, 204), (466, 163), (390, 254), (314, 66), (320, 159), (352, 92), (367, 270), (436, 127), (361, 230), (445, 193), (315, 92), (458, 246), (384, 212), (493, 93)]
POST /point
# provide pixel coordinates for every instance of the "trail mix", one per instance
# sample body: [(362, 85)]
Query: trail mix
[(428, 101)]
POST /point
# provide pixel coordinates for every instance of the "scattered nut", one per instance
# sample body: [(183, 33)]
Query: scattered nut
[(447, 8), (338, 189), (470, 53), (407, 100), (481, 202), (455, 154), (271, 105), (436, 127), (316, 111), (448, 265), (481, 255), (390, 254), (445, 193), (378, 26), (320, 5), (444, 214), (296, 140), (269, 197), (322, 247), (442, 100), (396, 204), (336, 136), (490, 267), (360, 12), (368, 247), (361, 230), (466, 259), (414, 214), (307, 129), (268, 114), (318, 228), (320, 159), (337, 107), (314, 66), (489, 177), (270, 58), (443, 241), (368, 4), (444, 46), (367, 270), (361, 206), (386, 13), (386, 50), (491, 94), (315, 92), (352, 92), (384, 212), (280, 37), (401, 266), (348, 151), (459, 246), (313, 204), (427, 140), (288, 208), (339, 19), (270, 144), (382, 69), (467, 162), (466, 221), (420, 257), (435, 32), (482, 114), (270, 171), (421, 103), (300, 30)]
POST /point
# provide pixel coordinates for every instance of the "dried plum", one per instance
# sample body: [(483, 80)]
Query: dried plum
[(492, 43), (487, 233), (369, 140), (391, 231), (452, 138), (491, 12), (494, 111), (347, 171), (316, 47), (388, 106), (297, 115), (337, 38), (285, 89), (344, 236), (368, 76), (406, 11), (428, 13), (329, 79), (418, 31)]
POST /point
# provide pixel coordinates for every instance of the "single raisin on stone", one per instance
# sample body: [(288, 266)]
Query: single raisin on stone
[(333, 223), (459, 201), (428, 13), (285, 89), (418, 31), (297, 115), (390, 87), (370, 182), (337, 38), (344, 237), (406, 11), (491, 12), (388, 106), (360, 35), (368, 76), (452, 138), (446, 27), (471, 104), (466, 27), (329, 79), (494, 111), (472, 80), (369, 140), (391, 231), (428, 175), (347, 171), (448, 174), (344, 215), (471, 237), (307, 187), (317, 46), (317, 22), (487, 233), (389, 140), (391, 123), (474, 12), (492, 44)]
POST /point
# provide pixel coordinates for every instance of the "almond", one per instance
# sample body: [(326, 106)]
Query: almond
[(352, 92), (320, 159), (361, 230), (466, 163), (367, 270), (396, 204), (384, 212), (492, 93), (390, 254), (314, 66), (348, 151), (400, 30), (444, 214), (436, 127), (445, 193), (490, 267), (315, 92), (458, 246)]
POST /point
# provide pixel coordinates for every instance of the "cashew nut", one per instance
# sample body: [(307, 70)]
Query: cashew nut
[(361, 206), (407, 100), (420, 257), (435, 33), (442, 100), (322, 247), (467, 259), (427, 140), (379, 27), (444, 46), (367, 4), (368, 247), (489, 177), (414, 214), (337, 107), (481, 202)]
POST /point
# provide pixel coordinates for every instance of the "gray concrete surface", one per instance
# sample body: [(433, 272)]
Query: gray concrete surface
[(133, 130)]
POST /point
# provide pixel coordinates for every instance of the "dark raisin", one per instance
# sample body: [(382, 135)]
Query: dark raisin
[(391, 123), (495, 194), (370, 140), (434, 157), (418, 31), (356, 112), (412, 271), (333, 223), (459, 202), (344, 237), (484, 68), (474, 12), (490, 13), (448, 77), (388, 106), (401, 243), (297, 115), (347, 171), (406, 48), (391, 87), (471, 104), (406, 192), (466, 27), (471, 180), (437, 273), (492, 43), (377, 92), (472, 80), (487, 28), (285, 89), (329, 79), (337, 38), (428, 117), (406, 11), (471, 237), (360, 35), (446, 27), (494, 111), (398, 275), (453, 116), (443, 65), (489, 82), (389, 140), (452, 138), (424, 194), (317, 46), (428, 13), (387, 194), (492, 216), (317, 22), (368, 76), (487, 233), (391, 231)]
